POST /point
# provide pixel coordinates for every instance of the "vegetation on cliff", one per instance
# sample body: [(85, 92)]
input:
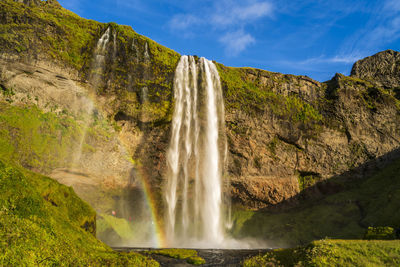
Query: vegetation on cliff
[(249, 95), (36, 140), (44, 141), (45, 223), (47, 32), (373, 201)]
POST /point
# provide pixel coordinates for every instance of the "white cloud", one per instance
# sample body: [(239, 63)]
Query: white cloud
[(382, 29), (229, 13), (183, 22), (347, 59), (228, 18), (392, 5), (385, 33), (236, 42), (315, 63)]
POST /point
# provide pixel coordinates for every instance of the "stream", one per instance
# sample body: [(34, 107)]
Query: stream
[(213, 257)]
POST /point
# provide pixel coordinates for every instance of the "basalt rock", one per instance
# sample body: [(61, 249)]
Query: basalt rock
[(382, 69), (277, 151)]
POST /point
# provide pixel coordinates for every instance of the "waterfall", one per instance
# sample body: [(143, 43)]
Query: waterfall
[(99, 62), (146, 54), (196, 156), (103, 41), (97, 70)]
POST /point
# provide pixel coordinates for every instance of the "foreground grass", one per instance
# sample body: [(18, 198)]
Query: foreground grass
[(333, 253), (189, 255), (45, 223)]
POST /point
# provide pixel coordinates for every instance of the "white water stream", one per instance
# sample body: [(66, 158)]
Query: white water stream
[(196, 157)]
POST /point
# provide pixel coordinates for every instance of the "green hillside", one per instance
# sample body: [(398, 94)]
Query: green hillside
[(45, 223)]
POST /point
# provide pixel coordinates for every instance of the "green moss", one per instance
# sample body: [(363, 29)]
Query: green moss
[(45, 223), (371, 95), (333, 253), (189, 254), (380, 233), (119, 225), (63, 34), (7, 92), (239, 218), (45, 141), (36, 139), (247, 95), (347, 214), (307, 180)]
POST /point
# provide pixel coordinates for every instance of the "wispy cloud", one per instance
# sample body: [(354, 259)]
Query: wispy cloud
[(228, 18), (392, 5), (347, 59), (184, 21), (382, 29), (229, 13), (236, 42)]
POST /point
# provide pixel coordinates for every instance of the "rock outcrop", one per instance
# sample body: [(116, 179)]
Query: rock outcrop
[(382, 69), (296, 132)]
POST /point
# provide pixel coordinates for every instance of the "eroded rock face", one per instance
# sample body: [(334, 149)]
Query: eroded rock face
[(382, 69), (272, 158)]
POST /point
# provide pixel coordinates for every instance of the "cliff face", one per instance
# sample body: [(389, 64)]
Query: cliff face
[(286, 133), (295, 132), (381, 69), (112, 104)]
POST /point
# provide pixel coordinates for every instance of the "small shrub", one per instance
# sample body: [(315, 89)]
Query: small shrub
[(380, 233)]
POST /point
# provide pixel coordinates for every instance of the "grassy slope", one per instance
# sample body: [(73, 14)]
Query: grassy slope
[(370, 202), (45, 223), (333, 253)]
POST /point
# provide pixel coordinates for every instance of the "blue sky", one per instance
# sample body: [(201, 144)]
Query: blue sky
[(315, 38)]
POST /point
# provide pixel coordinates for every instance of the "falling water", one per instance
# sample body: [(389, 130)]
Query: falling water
[(103, 41), (99, 62), (146, 54), (87, 113), (196, 157), (97, 70)]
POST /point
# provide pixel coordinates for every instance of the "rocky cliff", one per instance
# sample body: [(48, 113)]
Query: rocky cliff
[(286, 133), (289, 133)]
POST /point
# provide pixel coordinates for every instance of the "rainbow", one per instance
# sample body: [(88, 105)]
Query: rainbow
[(157, 226)]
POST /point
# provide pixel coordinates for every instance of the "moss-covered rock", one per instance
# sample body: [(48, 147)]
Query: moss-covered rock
[(333, 253), (45, 223), (189, 255)]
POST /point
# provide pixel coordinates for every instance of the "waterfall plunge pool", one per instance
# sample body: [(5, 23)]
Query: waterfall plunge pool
[(212, 257)]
